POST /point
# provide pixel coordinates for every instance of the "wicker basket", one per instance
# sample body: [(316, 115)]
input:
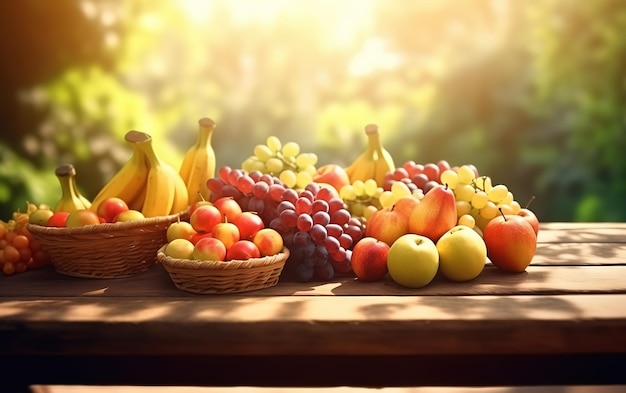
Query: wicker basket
[(109, 250), (219, 277)]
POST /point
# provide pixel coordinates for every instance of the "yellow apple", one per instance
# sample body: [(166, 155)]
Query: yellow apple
[(179, 249), (413, 260), (82, 217), (462, 253), (129, 215), (180, 230)]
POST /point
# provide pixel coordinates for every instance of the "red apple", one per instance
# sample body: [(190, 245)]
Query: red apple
[(529, 216), (249, 223), (269, 241), (205, 217), (242, 250), (200, 235), (82, 217), (195, 205), (129, 215), (369, 259), (209, 249), (228, 207), (405, 205), (180, 230), (111, 207), (386, 225), (511, 242), (332, 174), (435, 214), (226, 232), (58, 219)]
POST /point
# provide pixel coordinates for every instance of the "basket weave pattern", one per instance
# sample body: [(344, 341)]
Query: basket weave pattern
[(109, 250), (219, 277)]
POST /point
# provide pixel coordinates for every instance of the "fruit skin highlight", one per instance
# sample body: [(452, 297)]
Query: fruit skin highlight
[(413, 261)]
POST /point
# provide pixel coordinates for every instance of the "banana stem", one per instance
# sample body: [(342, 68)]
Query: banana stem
[(374, 147), (206, 128), (65, 173)]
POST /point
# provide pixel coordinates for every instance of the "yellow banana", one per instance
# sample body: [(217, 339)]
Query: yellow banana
[(199, 163), (70, 197), (86, 202), (160, 186), (129, 182), (137, 202), (181, 196), (374, 162), (362, 168), (384, 161)]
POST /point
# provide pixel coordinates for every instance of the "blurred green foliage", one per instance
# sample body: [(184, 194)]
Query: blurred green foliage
[(533, 93)]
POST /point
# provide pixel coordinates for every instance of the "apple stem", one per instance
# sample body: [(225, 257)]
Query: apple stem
[(501, 212), (532, 198)]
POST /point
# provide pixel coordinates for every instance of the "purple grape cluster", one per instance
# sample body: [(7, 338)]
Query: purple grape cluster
[(315, 224)]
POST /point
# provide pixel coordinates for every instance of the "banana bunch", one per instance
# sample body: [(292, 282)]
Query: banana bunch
[(71, 198), (199, 163), (374, 163), (145, 182)]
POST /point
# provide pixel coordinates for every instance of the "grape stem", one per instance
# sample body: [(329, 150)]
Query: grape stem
[(289, 163), (476, 184)]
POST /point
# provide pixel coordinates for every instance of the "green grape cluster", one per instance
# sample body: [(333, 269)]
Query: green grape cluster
[(399, 190), (285, 161), (362, 198), (477, 199)]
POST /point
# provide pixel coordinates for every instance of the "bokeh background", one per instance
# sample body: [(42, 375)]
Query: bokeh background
[(531, 92)]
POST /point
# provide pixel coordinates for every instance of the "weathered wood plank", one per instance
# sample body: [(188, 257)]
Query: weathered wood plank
[(306, 325), (579, 225), (568, 233), (580, 254), (338, 389), (156, 283)]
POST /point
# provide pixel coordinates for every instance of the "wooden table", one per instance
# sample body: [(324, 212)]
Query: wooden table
[(563, 321)]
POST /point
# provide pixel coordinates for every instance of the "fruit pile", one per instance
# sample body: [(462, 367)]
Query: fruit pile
[(19, 250), (370, 219), (314, 222), (221, 231)]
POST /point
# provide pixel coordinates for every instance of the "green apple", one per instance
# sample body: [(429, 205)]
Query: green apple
[(462, 253), (413, 260), (40, 216)]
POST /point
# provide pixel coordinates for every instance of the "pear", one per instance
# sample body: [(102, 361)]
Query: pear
[(435, 214)]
